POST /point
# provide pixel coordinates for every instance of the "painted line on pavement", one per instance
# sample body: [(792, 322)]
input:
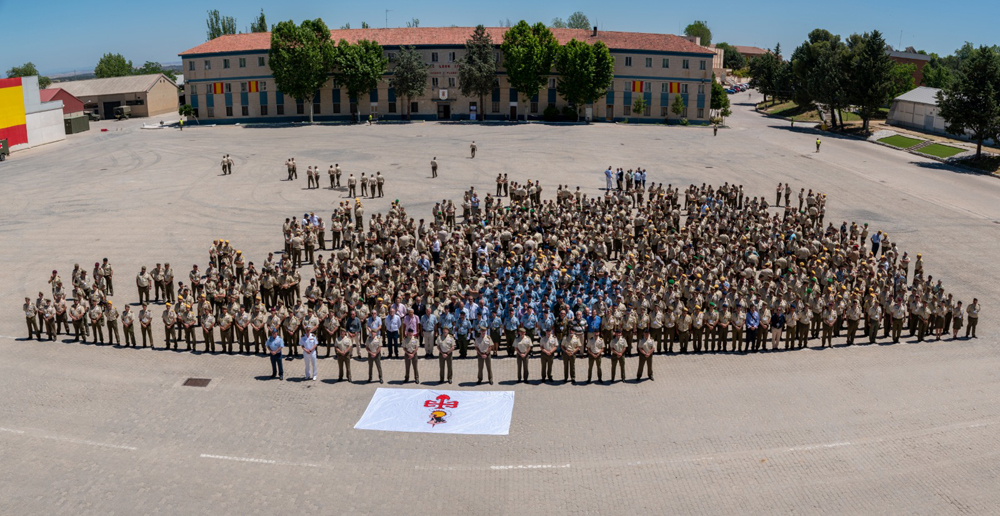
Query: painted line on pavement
[(261, 461), (530, 466), (68, 439)]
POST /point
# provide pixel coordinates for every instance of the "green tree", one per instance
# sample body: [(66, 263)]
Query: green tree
[(557, 23), (821, 72), (150, 67), (699, 28), (477, 70), (113, 65), (763, 74), (409, 76), (720, 98), (639, 106), (678, 108), (364, 25), (259, 23), (345, 26), (971, 103), (300, 58), (27, 70), (870, 82), (528, 55), (731, 58), (578, 20), (413, 23), (936, 73), (902, 78), (585, 72), (359, 67), (219, 25)]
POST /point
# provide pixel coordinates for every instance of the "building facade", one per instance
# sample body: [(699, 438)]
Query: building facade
[(228, 80), (147, 95), (25, 119)]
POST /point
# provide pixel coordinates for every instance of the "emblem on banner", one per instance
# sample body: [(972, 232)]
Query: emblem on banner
[(440, 403)]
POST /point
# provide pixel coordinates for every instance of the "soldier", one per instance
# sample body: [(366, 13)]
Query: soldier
[(522, 348), (208, 331), (169, 320), (143, 281), (364, 184), (290, 165), (158, 286), (49, 316), (854, 314), (31, 317), (473, 148), (108, 274), (646, 348), (618, 347), (225, 164), (61, 313), (829, 316), (374, 347), (898, 313), (111, 318), (434, 167), (684, 323), (96, 315), (77, 314), (128, 325), (874, 316), (973, 314), (343, 346), (428, 328), (595, 348), (308, 342), (168, 284), (484, 345), (352, 185), (411, 344), (188, 319), (242, 322), (446, 348), (226, 330), (549, 346), (570, 345)]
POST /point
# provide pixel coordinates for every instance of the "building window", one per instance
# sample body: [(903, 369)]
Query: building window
[(300, 108), (646, 111), (701, 112), (552, 83), (434, 82), (496, 107), (336, 108), (262, 85), (260, 61), (451, 82), (353, 107), (627, 111), (225, 63), (664, 87), (279, 109), (263, 110), (414, 106), (434, 57), (191, 65), (647, 87), (701, 89), (497, 57), (315, 109), (628, 61), (684, 88), (649, 62), (243, 62), (194, 89), (243, 87), (451, 57), (391, 57), (685, 64), (208, 64), (534, 108), (663, 111), (334, 84), (229, 110), (211, 112), (666, 63), (246, 111), (197, 113), (392, 107), (228, 87), (701, 66)]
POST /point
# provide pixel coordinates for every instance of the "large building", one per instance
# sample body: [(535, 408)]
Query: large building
[(911, 56), (148, 95), (25, 119), (228, 79)]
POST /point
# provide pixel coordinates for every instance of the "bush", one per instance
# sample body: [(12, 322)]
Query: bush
[(684, 121), (551, 113), (570, 114), (715, 120)]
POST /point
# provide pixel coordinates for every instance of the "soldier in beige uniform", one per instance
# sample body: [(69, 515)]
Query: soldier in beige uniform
[(146, 324), (226, 330), (169, 319), (31, 317), (571, 344), (128, 325), (618, 347), (484, 346), (595, 348), (77, 313), (973, 314), (374, 348), (646, 348), (111, 318), (684, 323), (49, 316), (189, 319), (411, 344), (96, 323), (522, 349), (898, 313), (548, 345), (854, 314), (208, 331), (342, 347), (143, 281), (434, 167), (446, 346)]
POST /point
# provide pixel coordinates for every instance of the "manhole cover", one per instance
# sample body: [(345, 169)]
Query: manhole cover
[(197, 382)]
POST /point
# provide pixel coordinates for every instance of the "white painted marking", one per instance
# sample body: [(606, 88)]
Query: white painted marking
[(11, 430), (88, 443), (262, 461), (817, 446), (530, 466)]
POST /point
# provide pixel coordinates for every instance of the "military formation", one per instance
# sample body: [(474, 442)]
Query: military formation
[(637, 272)]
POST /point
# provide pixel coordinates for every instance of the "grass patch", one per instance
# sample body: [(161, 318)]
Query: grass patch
[(901, 142), (940, 151)]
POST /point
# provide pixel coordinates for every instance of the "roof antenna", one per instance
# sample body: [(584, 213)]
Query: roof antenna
[(387, 18)]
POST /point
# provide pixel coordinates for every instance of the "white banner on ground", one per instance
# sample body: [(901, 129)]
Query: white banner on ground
[(439, 412)]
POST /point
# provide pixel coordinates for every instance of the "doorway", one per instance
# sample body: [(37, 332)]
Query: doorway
[(610, 113), (513, 113), (444, 111)]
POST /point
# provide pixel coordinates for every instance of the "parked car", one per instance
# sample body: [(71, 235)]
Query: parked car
[(123, 112), (4, 150), (94, 116)]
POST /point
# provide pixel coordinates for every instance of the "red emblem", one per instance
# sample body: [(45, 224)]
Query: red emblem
[(442, 402)]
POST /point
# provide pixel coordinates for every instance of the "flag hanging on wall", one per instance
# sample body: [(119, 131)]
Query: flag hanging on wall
[(217, 87), (637, 86), (675, 87), (253, 86)]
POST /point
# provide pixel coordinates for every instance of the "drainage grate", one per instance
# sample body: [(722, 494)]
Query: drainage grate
[(197, 382)]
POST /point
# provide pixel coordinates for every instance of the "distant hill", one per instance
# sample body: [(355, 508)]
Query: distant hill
[(81, 75)]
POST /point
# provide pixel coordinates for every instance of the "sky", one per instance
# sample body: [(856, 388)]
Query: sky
[(61, 36)]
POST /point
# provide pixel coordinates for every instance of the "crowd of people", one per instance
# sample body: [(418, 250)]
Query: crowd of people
[(639, 269)]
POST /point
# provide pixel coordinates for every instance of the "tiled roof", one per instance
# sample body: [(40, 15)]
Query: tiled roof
[(750, 50), (437, 36), (48, 94), (112, 85)]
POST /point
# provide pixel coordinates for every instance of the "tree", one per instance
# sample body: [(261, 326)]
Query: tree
[(639, 106), (27, 70), (259, 24), (219, 25), (528, 55), (902, 78), (409, 77), (557, 23), (971, 103), (505, 23), (113, 65), (150, 67), (720, 98), (700, 29), (300, 58), (731, 58), (870, 83), (585, 72), (345, 26), (359, 67), (763, 74), (364, 25), (678, 107), (821, 71), (477, 69), (936, 73), (578, 20), (414, 23)]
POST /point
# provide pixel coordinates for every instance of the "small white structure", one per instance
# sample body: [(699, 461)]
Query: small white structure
[(917, 109)]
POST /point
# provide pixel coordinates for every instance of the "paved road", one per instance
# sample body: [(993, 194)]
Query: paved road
[(907, 428)]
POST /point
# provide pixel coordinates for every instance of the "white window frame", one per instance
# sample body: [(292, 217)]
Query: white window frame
[(242, 62), (208, 64), (649, 62), (434, 57), (628, 60)]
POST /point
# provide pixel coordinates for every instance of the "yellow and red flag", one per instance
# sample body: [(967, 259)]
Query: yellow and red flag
[(217, 87), (253, 87), (13, 121), (675, 87), (637, 86)]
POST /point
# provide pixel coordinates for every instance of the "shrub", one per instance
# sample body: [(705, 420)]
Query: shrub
[(551, 113), (570, 114), (684, 121)]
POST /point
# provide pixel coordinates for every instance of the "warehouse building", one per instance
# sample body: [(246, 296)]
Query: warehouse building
[(148, 95), (25, 120), (228, 79)]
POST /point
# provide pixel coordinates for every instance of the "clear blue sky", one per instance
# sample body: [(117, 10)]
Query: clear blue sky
[(61, 35)]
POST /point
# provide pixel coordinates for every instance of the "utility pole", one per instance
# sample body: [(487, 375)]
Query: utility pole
[(387, 18)]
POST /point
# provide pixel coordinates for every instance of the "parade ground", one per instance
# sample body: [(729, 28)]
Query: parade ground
[(908, 428)]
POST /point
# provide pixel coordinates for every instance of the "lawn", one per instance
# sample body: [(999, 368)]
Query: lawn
[(940, 151), (901, 142)]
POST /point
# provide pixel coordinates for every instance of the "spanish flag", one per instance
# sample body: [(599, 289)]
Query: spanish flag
[(253, 86), (637, 86), (675, 87), (13, 120), (217, 87)]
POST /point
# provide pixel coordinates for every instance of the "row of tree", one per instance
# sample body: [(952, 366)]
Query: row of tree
[(115, 65)]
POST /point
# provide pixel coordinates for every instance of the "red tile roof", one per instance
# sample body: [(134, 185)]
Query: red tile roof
[(750, 50), (438, 36), (48, 94)]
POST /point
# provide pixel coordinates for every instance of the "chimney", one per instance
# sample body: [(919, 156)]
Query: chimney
[(595, 31)]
